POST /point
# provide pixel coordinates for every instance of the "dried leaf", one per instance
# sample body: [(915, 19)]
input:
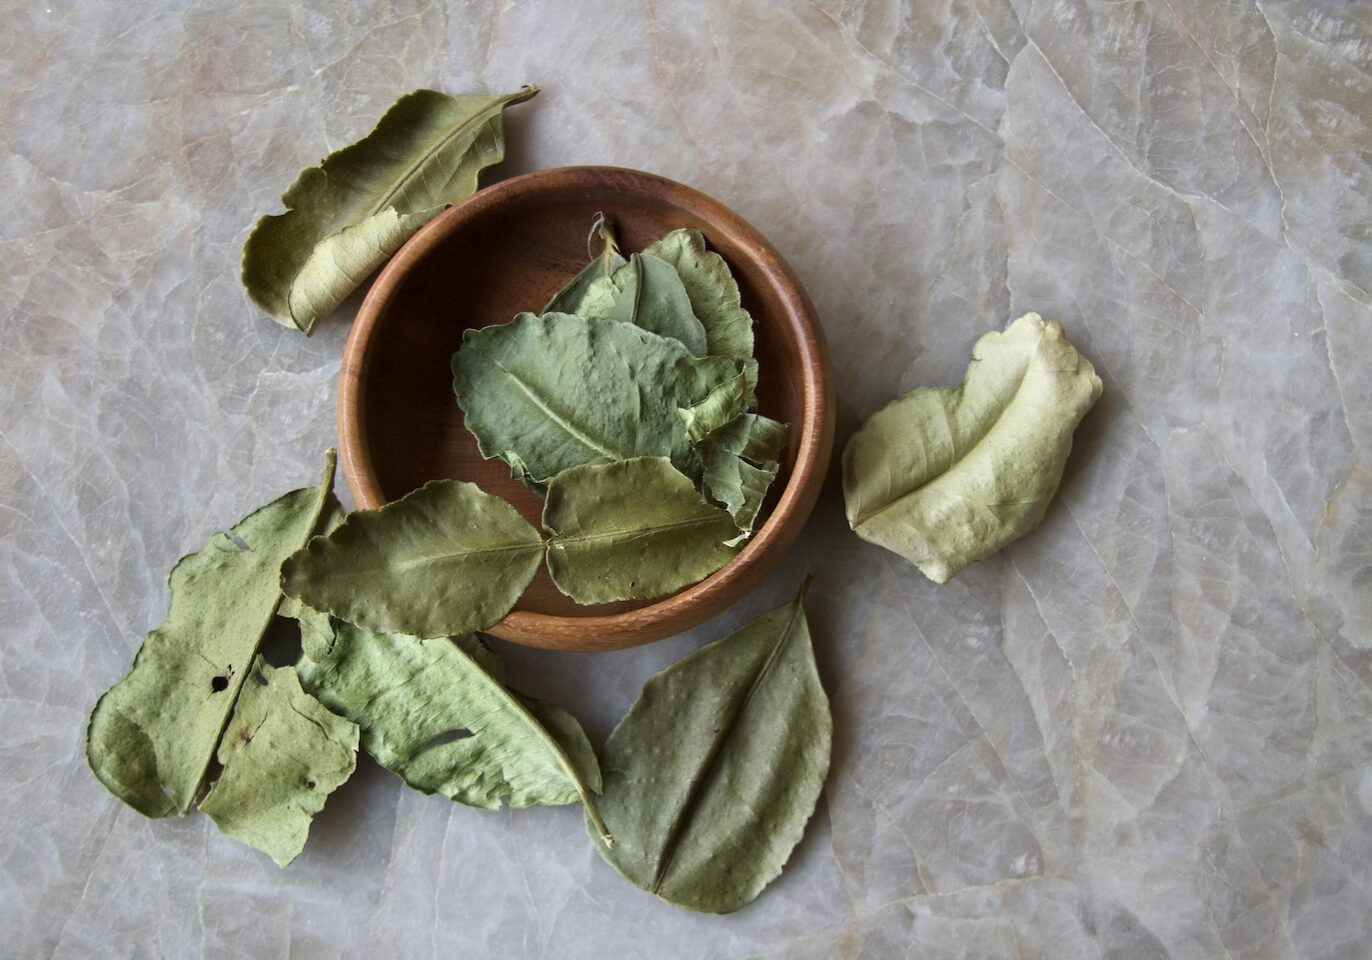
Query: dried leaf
[(736, 484), (691, 296), (283, 753), (346, 216), (652, 298), (442, 560), (739, 460), (945, 476), (631, 529), (712, 290), (549, 392), (712, 775), (153, 734), (437, 714), (755, 438), (721, 406), (573, 297)]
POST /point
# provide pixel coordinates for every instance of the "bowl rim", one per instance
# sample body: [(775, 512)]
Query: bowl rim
[(813, 437)]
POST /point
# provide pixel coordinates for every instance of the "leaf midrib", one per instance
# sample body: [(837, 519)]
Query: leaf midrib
[(956, 462), (408, 175), (505, 696), (635, 533), (686, 812), (567, 427), (321, 500), (406, 563)]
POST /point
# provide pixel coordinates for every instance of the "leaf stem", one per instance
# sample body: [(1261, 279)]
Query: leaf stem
[(594, 814)]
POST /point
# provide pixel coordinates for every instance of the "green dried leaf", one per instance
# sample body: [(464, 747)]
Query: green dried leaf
[(631, 530), (557, 391), (712, 291), (652, 298), (573, 297), (737, 484), (721, 406), (436, 713), (712, 775), (442, 560), (739, 459), (945, 476), (601, 294), (153, 734), (283, 753), (675, 288), (566, 730), (755, 438), (346, 216)]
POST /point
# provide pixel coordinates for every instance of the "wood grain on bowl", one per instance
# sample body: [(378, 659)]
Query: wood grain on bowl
[(508, 248)]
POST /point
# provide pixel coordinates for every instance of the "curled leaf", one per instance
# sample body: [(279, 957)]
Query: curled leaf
[(739, 459), (945, 476), (652, 298), (632, 529), (737, 484), (712, 291), (721, 406), (444, 559), (346, 216), (283, 753), (436, 713), (153, 734), (713, 773), (555, 391), (755, 438)]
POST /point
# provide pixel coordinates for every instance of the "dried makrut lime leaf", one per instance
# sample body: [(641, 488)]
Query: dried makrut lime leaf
[(713, 773), (945, 476), (445, 559), (572, 298), (153, 735), (631, 529), (712, 291), (549, 392), (282, 754), (347, 216), (437, 713)]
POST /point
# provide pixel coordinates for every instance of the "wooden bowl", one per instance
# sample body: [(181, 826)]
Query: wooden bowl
[(508, 248)]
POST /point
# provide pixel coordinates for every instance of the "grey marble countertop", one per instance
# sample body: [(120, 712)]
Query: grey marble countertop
[(1141, 731)]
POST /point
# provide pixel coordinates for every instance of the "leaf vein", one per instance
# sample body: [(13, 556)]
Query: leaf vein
[(569, 428)]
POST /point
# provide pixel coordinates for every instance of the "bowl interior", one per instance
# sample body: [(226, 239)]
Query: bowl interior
[(480, 264)]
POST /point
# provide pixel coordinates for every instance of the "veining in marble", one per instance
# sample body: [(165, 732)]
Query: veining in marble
[(1141, 731)]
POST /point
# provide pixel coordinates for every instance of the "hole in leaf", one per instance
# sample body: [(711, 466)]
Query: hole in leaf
[(281, 646), (219, 684), (309, 784), (447, 736)]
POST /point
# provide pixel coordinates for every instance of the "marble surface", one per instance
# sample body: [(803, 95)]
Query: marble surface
[(1142, 731)]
